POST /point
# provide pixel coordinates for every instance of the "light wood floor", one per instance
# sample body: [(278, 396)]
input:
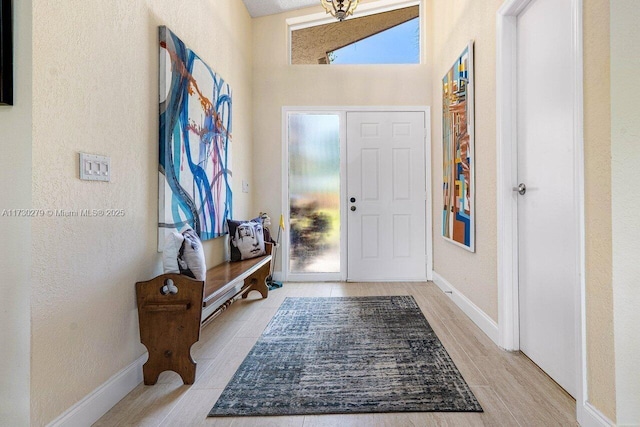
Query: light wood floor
[(512, 390)]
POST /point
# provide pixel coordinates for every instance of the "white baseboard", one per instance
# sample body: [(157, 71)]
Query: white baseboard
[(97, 403), (588, 416), (479, 317)]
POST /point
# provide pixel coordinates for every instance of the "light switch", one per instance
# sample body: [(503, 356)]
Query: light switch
[(245, 186), (94, 167)]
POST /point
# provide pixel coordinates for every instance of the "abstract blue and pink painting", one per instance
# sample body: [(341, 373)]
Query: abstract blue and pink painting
[(458, 213), (195, 139)]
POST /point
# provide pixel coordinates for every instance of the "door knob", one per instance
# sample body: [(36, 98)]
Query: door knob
[(353, 208), (521, 189), (352, 200)]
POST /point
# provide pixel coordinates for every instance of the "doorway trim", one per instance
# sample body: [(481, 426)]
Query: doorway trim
[(506, 179), (342, 111)]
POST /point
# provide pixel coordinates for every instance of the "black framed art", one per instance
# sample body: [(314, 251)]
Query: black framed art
[(6, 54)]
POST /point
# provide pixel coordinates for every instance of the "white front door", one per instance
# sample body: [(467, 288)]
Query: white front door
[(547, 230), (386, 196)]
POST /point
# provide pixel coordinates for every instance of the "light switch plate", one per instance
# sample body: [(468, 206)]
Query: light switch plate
[(94, 167), (245, 186)]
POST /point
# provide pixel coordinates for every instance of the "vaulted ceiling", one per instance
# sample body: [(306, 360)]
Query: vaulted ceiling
[(269, 7)]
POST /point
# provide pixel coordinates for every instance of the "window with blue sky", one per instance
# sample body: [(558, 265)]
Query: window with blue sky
[(397, 45)]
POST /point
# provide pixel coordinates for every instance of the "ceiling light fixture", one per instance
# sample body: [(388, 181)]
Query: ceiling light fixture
[(338, 9)]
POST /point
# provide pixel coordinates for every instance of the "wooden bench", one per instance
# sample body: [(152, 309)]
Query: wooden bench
[(172, 308)]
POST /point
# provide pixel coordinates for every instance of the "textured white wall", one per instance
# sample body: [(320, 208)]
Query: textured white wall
[(278, 84), (598, 250), (95, 89), (625, 204), (15, 250), (454, 24)]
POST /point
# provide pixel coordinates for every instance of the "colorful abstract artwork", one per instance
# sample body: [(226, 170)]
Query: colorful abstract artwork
[(195, 139), (458, 152)]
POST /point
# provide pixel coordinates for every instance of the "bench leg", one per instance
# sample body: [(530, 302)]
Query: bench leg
[(258, 282), (169, 325), (158, 363)]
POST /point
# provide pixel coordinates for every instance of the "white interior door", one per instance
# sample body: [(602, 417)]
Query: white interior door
[(386, 196), (547, 218)]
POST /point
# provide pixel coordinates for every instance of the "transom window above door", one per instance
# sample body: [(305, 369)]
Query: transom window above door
[(385, 37)]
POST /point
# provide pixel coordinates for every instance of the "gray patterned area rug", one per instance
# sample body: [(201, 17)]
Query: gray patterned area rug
[(346, 355)]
